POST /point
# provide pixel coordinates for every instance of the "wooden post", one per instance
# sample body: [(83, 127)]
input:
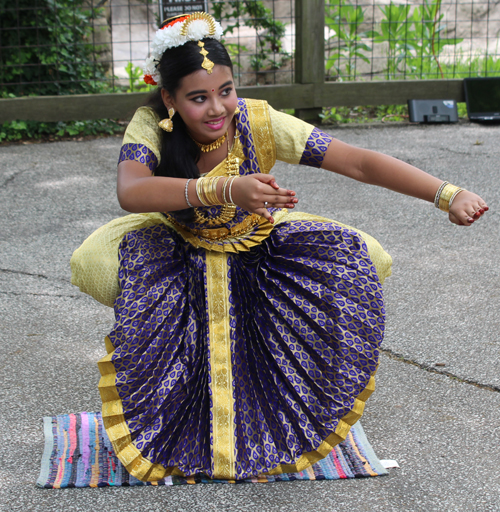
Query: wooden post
[(309, 49)]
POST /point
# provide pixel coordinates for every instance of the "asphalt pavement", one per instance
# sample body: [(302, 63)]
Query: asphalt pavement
[(436, 409)]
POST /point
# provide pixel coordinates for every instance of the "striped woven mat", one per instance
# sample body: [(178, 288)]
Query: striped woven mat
[(78, 454)]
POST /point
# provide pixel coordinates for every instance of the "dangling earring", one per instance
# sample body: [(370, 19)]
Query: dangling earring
[(237, 111), (167, 123)]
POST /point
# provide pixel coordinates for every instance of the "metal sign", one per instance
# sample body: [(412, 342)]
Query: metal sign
[(169, 8)]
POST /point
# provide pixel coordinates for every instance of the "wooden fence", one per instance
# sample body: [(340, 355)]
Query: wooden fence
[(307, 96)]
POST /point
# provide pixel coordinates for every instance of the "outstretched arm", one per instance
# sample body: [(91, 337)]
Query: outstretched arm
[(388, 172)]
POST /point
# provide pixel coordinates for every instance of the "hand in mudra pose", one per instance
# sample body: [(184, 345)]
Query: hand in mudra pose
[(258, 192)]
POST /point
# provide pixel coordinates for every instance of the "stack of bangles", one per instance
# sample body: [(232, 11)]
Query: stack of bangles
[(445, 195), (206, 191)]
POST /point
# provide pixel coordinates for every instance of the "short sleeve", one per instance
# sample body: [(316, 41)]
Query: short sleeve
[(298, 142), (142, 139)]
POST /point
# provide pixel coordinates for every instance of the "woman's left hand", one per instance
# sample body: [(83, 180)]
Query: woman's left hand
[(257, 192), (466, 208)]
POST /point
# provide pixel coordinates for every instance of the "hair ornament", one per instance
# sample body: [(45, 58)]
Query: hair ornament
[(207, 64), (176, 32), (212, 24)]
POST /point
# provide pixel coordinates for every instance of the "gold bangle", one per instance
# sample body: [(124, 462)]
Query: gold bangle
[(205, 190), (438, 193), (452, 198), (446, 195), (211, 191), (205, 187), (231, 190), (215, 184), (200, 190), (224, 189), (219, 201)]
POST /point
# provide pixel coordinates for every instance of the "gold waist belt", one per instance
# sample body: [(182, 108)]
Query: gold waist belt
[(222, 233)]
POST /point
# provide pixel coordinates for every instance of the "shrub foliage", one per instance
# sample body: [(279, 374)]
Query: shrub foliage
[(46, 47)]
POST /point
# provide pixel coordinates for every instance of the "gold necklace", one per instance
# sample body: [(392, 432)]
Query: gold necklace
[(216, 144), (228, 210)]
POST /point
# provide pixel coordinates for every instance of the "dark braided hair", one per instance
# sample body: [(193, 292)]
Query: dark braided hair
[(179, 153)]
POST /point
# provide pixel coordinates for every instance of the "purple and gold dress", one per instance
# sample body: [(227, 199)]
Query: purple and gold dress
[(240, 347)]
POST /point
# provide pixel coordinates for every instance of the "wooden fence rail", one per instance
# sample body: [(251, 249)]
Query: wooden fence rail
[(307, 96)]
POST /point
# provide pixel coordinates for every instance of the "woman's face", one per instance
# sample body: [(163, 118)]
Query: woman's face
[(205, 102)]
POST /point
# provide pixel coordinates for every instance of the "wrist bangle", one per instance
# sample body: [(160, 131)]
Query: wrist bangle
[(199, 191), (207, 190), (211, 191), (214, 190), (455, 194), (445, 196), (186, 193), (438, 193), (231, 190), (224, 188)]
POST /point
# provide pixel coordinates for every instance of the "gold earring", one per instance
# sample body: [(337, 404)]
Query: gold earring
[(237, 111), (167, 123)]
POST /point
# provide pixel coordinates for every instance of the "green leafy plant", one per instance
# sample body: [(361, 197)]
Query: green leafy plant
[(235, 50), (347, 44), (414, 38), (14, 131), (270, 32), (48, 48), (478, 65), (364, 114), (429, 32), (393, 31)]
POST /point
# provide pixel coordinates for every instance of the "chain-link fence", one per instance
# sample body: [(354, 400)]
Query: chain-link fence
[(86, 46)]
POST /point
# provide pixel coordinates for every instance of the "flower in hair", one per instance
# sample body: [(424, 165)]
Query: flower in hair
[(179, 31)]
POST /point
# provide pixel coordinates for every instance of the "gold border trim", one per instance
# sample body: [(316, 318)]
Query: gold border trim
[(219, 334), (224, 443), (344, 426), (261, 129), (117, 429)]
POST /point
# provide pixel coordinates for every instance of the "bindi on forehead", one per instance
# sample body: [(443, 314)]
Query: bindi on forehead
[(199, 82)]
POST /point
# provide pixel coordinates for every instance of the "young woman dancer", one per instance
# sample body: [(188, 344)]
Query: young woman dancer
[(246, 336)]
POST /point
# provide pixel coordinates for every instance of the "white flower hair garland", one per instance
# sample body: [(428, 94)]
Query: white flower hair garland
[(184, 28)]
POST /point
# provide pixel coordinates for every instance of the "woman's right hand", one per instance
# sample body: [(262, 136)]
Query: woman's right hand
[(256, 193)]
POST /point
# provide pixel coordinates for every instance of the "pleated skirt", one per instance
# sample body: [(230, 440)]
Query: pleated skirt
[(239, 364)]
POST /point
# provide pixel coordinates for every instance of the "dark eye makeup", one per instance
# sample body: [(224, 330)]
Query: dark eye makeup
[(201, 98)]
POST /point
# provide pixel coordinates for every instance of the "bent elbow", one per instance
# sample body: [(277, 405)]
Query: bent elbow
[(127, 203)]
